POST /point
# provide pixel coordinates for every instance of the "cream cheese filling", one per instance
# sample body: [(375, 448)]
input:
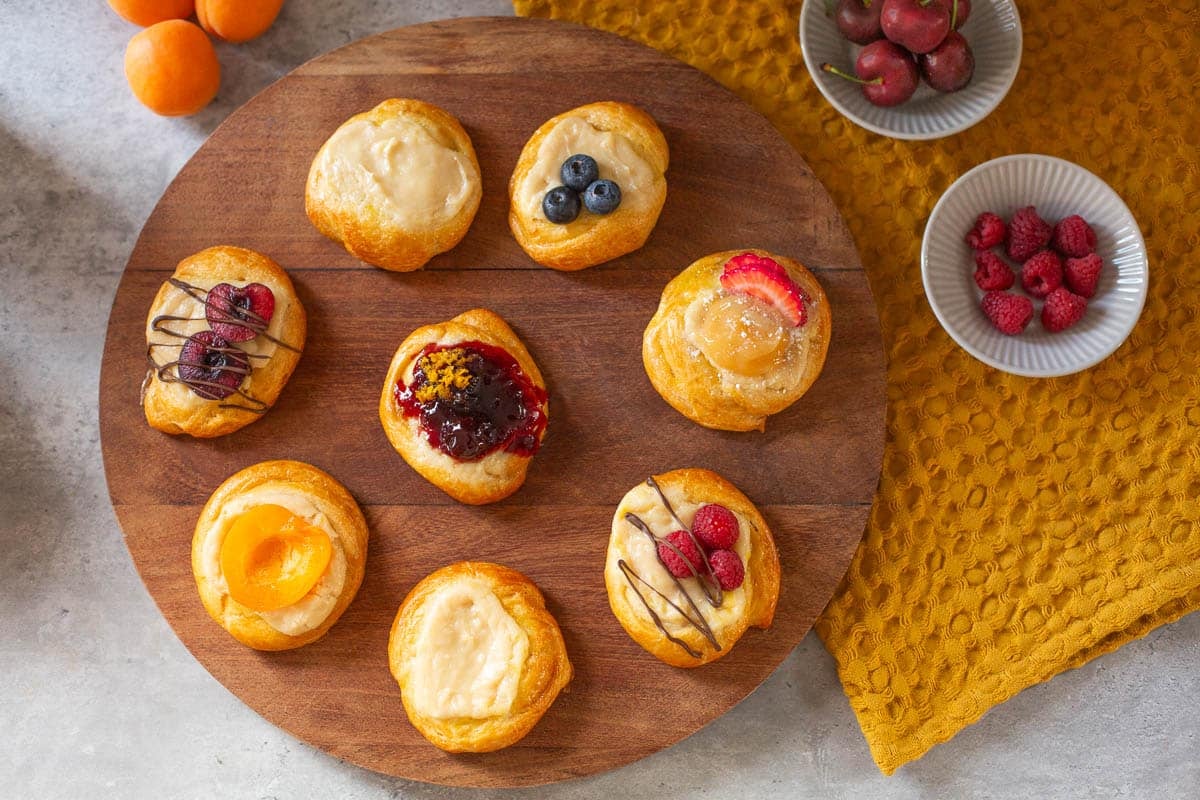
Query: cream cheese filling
[(615, 154), (166, 348), (782, 375), (468, 656), (314, 608), (397, 169), (640, 553)]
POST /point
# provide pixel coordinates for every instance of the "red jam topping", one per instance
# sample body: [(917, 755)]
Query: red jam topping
[(473, 399)]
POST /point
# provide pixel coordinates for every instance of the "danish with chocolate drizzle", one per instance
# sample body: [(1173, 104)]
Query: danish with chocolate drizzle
[(691, 565), (465, 405), (222, 338)]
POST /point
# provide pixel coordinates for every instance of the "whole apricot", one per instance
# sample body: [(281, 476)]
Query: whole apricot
[(148, 12), (237, 20), (172, 68)]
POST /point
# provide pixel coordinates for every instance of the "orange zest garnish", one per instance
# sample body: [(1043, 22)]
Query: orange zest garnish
[(272, 558)]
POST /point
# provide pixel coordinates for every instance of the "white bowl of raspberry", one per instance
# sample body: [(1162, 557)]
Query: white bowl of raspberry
[(902, 49), (1034, 265)]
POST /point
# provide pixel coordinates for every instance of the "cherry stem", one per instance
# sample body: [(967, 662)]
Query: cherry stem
[(953, 13), (924, 3), (849, 77)]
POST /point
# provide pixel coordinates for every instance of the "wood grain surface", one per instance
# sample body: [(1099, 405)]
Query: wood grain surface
[(733, 182)]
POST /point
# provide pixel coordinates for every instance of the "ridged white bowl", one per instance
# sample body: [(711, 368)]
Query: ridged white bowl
[(994, 32), (1058, 189)]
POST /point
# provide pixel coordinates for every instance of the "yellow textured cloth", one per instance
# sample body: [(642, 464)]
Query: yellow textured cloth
[(1022, 526)]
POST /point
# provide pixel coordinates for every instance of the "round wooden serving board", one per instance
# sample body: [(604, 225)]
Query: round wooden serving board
[(733, 182)]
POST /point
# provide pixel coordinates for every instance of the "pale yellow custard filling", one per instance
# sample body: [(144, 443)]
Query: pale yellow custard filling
[(315, 607), (468, 655), (632, 545), (615, 155), (395, 168)]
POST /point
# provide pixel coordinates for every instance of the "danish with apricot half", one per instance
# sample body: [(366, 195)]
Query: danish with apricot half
[(222, 338), (466, 407), (738, 336), (396, 185), (589, 186), (278, 554), (691, 565), (477, 656)]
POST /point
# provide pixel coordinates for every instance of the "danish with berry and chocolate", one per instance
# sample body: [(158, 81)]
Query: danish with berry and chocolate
[(396, 185), (222, 338), (589, 186), (465, 405), (738, 336), (278, 554), (691, 565), (477, 656)]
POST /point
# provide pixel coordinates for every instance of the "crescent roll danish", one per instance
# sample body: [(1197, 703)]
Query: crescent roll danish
[(396, 185), (691, 565), (477, 656), (278, 553), (465, 405), (738, 336), (223, 335), (602, 205)]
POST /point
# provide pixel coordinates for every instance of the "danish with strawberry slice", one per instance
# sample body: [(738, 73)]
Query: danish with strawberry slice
[(738, 336), (222, 338), (278, 554), (691, 565)]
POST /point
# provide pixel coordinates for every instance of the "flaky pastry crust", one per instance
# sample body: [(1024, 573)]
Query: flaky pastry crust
[(486, 480), (238, 266), (591, 239), (366, 231), (692, 385), (327, 495), (545, 673), (761, 583)]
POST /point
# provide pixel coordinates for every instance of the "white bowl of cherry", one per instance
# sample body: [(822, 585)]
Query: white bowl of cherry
[(912, 69)]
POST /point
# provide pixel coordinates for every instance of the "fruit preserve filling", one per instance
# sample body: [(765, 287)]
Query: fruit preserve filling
[(473, 399)]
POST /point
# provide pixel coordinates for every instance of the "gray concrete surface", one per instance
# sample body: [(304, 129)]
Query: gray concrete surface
[(99, 699)]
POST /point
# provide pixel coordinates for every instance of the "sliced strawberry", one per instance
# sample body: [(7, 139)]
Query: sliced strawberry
[(765, 279)]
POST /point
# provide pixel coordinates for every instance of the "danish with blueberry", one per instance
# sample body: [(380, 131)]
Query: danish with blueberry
[(222, 338), (589, 186), (278, 554), (738, 336), (396, 185), (465, 405), (477, 656), (691, 565)]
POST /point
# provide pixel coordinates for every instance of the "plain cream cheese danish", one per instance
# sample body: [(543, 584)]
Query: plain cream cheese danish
[(477, 657)]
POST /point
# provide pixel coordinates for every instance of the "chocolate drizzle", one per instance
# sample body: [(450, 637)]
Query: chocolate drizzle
[(168, 372), (705, 579)]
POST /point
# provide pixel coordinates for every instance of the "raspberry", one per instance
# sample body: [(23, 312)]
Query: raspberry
[(1083, 274), (727, 569), (1027, 233), (1010, 313), (1062, 310), (672, 560), (988, 232), (716, 527), (1042, 274), (1073, 237), (992, 273)]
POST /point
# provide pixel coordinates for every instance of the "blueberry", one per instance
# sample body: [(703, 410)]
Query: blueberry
[(561, 205), (602, 197), (579, 171)]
